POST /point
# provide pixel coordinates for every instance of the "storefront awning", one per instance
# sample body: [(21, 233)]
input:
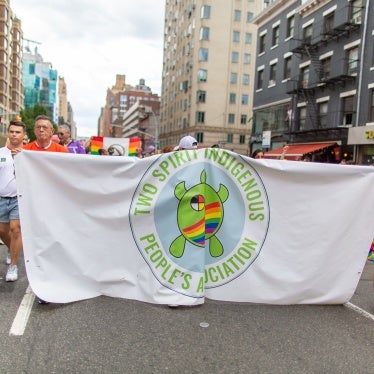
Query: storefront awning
[(298, 150)]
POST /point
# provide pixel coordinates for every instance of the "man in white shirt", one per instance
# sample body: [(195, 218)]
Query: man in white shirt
[(10, 228)]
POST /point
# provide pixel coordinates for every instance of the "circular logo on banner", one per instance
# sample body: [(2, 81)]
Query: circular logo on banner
[(199, 218)]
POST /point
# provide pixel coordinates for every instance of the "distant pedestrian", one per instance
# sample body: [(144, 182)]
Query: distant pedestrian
[(103, 152), (10, 227), (167, 149), (55, 138), (73, 146), (258, 153), (187, 142), (139, 152)]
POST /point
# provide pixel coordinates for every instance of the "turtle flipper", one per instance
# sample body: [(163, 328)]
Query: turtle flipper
[(177, 246), (215, 247)]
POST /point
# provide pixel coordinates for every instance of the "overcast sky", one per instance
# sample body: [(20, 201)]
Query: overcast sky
[(90, 41)]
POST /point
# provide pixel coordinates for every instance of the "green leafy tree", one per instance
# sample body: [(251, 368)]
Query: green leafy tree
[(28, 116)]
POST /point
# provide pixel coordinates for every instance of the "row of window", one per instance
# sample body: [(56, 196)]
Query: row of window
[(290, 29), (204, 56), (206, 10), (202, 76), (205, 35), (229, 138), (231, 118), (307, 29), (349, 66)]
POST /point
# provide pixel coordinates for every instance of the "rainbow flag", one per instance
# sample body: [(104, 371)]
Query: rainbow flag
[(127, 145), (97, 142), (134, 144)]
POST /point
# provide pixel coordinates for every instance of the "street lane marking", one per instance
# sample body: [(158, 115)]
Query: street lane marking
[(23, 314), (359, 311)]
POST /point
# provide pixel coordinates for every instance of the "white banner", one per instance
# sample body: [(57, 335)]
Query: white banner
[(178, 227)]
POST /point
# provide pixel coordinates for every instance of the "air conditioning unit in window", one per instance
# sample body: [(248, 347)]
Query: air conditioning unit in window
[(271, 82), (356, 19)]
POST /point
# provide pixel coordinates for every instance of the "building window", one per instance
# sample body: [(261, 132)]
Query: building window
[(302, 118), (275, 38), (202, 75), (205, 11), (32, 69), (241, 139), (329, 23), (352, 61), (204, 33), (260, 79), (248, 38), (249, 16), (247, 58), (234, 78), (236, 36), (200, 117), (371, 119), (232, 98), (231, 118), (325, 68), (237, 15), (356, 11), (201, 96), (243, 119), (304, 77), (322, 111), (235, 57), (262, 44), (290, 26), (273, 74), (246, 79), (307, 34), (347, 106), (230, 138), (203, 54), (200, 137), (245, 99), (287, 68)]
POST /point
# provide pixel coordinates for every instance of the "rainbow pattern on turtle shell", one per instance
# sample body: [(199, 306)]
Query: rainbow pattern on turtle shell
[(207, 225)]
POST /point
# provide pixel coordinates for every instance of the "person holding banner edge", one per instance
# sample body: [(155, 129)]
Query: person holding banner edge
[(10, 227)]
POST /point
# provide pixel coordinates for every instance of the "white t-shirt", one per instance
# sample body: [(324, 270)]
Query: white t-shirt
[(8, 187)]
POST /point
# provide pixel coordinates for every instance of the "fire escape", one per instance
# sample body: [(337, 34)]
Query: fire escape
[(316, 75)]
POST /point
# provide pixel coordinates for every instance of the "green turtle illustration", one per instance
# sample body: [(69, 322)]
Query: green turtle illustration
[(199, 216)]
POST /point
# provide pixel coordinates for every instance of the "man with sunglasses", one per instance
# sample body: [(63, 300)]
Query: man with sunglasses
[(72, 146)]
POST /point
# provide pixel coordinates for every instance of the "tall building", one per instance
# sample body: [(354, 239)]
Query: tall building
[(65, 110), (208, 65), (40, 83), (315, 79), (11, 86), (119, 99)]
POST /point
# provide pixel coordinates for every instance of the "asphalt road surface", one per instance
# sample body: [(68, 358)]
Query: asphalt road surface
[(109, 335)]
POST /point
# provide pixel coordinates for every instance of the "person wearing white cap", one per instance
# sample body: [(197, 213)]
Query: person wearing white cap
[(187, 142)]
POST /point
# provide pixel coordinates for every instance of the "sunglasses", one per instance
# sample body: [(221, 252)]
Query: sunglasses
[(60, 133)]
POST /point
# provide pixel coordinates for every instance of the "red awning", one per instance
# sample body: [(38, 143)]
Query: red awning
[(298, 150)]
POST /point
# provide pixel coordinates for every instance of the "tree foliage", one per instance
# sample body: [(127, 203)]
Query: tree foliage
[(28, 116)]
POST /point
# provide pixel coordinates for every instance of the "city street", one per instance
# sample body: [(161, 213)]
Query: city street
[(108, 335)]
